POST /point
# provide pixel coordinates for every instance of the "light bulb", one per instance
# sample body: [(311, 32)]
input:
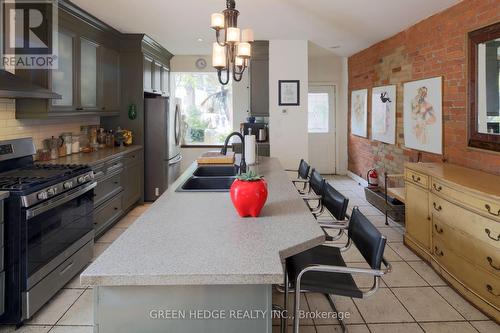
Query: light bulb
[(218, 56), (232, 35), (217, 21), (247, 36), (244, 50)]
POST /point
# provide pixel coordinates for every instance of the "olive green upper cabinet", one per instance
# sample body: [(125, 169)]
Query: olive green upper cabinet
[(89, 71), (165, 81), (148, 74), (259, 79), (110, 83), (63, 78), (157, 82)]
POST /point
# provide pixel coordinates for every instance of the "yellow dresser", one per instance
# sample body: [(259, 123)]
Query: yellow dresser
[(453, 222)]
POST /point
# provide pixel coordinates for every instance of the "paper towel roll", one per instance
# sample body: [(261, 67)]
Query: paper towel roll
[(250, 149)]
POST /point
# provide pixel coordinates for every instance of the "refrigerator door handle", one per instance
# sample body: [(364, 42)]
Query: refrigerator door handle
[(177, 125), (176, 160)]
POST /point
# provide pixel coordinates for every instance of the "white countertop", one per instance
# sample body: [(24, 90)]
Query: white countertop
[(197, 238)]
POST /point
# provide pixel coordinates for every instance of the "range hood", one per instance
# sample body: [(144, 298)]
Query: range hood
[(12, 86)]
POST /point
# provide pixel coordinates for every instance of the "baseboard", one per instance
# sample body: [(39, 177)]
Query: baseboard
[(358, 179)]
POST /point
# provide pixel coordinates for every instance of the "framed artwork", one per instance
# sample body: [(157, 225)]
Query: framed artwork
[(384, 114), (289, 92), (359, 113), (423, 115)]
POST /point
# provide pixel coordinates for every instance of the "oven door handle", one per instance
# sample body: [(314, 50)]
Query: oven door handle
[(67, 196)]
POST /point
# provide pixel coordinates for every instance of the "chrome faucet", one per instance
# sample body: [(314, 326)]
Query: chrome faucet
[(243, 164)]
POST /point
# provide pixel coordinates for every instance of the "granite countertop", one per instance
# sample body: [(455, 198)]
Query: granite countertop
[(4, 195), (94, 158), (197, 238)]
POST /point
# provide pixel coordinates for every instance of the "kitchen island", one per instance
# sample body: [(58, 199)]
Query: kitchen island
[(190, 262)]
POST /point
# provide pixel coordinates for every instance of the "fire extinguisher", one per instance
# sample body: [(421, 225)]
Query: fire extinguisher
[(372, 177)]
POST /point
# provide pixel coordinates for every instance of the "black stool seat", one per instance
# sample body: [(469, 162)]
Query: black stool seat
[(332, 283)]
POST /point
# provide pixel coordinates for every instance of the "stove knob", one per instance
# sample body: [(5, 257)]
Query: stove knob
[(80, 180), (67, 185), (42, 195), (51, 192), (87, 178)]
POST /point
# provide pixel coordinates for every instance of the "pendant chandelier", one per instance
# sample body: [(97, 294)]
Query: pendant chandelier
[(232, 54)]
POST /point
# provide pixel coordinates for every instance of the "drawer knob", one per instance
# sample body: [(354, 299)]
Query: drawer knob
[(436, 207), (490, 261), (438, 230), (489, 288), (438, 251), (437, 187), (415, 178), (488, 232), (488, 208)]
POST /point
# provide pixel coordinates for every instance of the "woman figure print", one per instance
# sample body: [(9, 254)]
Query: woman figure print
[(423, 116)]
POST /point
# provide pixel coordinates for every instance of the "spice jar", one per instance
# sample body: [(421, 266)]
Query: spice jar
[(75, 144), (67, 139)]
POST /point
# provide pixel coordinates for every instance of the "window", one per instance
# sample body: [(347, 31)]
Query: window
[(207, 108), (319, 112)]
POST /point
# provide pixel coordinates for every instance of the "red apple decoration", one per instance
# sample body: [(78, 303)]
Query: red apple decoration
[(249, 194)]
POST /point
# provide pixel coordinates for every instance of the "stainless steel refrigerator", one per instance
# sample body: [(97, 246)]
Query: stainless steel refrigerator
[(174, 142), (162, 145)]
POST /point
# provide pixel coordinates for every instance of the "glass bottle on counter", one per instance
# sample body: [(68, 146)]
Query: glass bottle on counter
[(110, 139), (101, 138)]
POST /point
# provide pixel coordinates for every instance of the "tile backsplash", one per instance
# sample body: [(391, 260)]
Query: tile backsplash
[(39, 129)]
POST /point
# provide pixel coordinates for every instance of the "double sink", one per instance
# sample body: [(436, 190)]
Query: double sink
[(210, 178)]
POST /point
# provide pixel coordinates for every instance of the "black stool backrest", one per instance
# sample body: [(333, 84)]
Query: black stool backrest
[(304, 169), (317, 182), (335, 202), (368, 240)]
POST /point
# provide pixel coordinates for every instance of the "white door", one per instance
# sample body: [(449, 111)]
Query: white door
[(321, 124)]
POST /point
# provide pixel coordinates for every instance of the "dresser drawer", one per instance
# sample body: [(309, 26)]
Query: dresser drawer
[(484, 206), (484, 229), (475, 278), (477, 252), (417, 178)]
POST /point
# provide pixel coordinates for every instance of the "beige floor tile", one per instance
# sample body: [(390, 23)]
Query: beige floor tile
[(137, 211), (346, 305), (403, 251), (467, 310), (403, 275), (72, 329), (336, 328), (318, 302), (51, 312), (369, 211), (379, 221), (111, 235), (99, 248), (486, 326), (383, 307), (75, 283), (126, 221), (393, 234), (395, 328), (25, 329), (448, 327), (425, 304), (427, 273), (81, 312)]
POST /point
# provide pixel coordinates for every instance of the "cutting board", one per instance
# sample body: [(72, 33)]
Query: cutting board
[(215, 157)]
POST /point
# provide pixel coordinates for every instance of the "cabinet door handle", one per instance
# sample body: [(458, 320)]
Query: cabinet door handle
[(415, 179), (489, 288), (490, 261), (116, 208), (488, 208), (436, 207), (437, 187), (488, 232), (438, 230), (79, 109), (438, 251)]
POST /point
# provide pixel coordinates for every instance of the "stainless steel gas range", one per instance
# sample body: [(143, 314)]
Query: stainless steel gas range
[(48, 227)]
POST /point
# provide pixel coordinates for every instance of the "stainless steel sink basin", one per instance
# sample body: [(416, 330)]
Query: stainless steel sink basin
[(216, 171), (206, 184)]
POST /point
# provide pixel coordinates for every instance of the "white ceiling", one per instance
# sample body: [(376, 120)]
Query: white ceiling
[(351, 24)]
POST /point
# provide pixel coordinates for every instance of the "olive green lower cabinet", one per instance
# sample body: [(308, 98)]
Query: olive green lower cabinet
[(119, 187)]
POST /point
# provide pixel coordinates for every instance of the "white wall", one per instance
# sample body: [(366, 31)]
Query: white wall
[(326, 68), (288, 60)]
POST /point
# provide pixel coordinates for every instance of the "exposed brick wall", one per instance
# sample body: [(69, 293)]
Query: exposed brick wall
[(433, 47)]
